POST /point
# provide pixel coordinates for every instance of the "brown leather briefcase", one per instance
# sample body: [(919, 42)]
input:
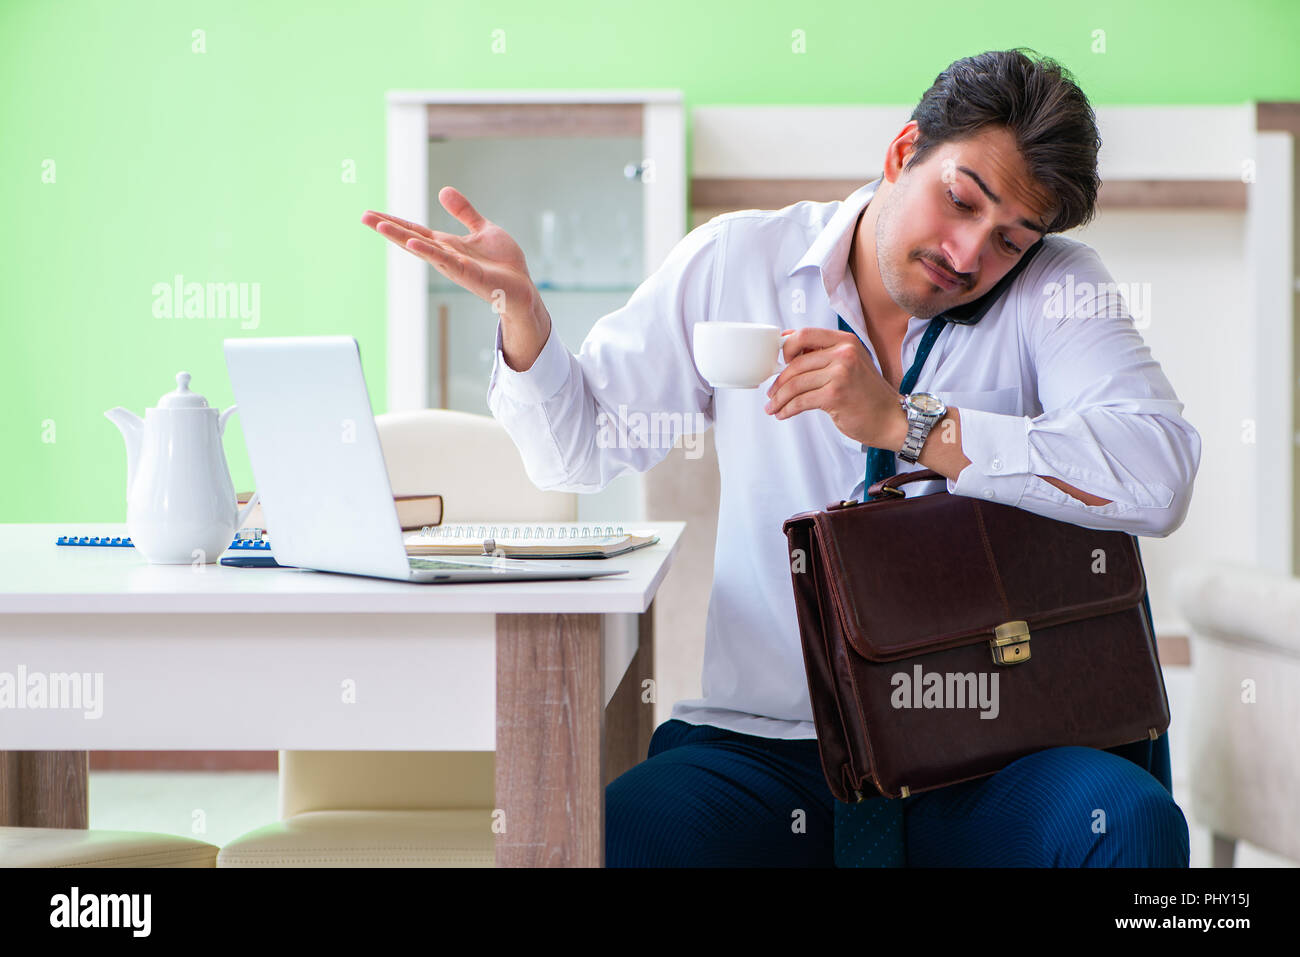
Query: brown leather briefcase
[(944, 637)]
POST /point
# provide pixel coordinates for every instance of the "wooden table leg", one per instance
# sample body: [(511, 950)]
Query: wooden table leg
[(44, 789), (549, 780), (630, 717)]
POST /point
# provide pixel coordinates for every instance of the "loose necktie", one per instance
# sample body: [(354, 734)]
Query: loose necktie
[(880, 462), (870, 832)]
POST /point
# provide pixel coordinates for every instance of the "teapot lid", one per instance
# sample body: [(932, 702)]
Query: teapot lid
[(182, 397)]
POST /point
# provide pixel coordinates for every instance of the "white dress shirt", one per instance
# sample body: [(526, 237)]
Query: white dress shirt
[(1077, 397)]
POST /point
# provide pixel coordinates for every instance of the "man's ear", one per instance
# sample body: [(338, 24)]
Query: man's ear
[(900, 150)]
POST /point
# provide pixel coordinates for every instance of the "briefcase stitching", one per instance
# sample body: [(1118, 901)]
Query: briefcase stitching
[(993, 565)]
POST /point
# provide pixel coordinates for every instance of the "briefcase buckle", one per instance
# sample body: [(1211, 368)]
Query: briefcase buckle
[(1010, 643)]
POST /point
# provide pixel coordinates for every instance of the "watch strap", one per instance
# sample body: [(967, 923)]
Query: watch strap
[(919, 426)]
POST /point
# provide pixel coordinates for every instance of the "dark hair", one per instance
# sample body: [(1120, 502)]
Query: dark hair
[(1039, 104)]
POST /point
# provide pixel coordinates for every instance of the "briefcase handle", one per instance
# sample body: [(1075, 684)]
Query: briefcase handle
[(889, 488), (891, 485)]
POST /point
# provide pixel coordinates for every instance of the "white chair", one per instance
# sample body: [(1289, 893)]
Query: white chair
[(78, 847), (376, 809), (1244, 728), (416, 809)]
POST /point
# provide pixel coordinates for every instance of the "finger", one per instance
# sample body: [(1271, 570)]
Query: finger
[(454, 202), (816, 399), (373, 219), (810, 338), (805, 362), (436, 254), (459, 269), (447, 239), (799, 386), (402, 235), (404, 238), (398, 234), (449, 262)]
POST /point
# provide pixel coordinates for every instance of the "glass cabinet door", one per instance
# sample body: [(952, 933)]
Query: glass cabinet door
[(575, 206)]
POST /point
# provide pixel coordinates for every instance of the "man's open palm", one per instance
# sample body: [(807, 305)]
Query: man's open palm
[(486, 261)]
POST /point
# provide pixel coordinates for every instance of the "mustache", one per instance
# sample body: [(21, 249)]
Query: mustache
[(947, 270)]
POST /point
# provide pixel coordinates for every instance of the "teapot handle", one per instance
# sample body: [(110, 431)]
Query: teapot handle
[(221, 419), (244, 512)]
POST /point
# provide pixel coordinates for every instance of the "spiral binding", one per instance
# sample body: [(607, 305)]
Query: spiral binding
[(124, 541)]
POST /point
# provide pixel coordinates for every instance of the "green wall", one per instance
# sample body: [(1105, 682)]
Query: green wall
[(227, 165)]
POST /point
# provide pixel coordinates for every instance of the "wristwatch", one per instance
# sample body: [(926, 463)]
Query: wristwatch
[(923, 410)]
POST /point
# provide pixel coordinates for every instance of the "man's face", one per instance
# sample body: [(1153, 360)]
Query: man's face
[(937, 213)]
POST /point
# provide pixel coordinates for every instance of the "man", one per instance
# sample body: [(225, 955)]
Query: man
[(1054, 405)]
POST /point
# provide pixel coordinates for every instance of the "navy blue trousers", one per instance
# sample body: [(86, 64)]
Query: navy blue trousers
[(708, 797)]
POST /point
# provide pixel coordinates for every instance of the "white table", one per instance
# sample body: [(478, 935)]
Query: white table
[(215, 657)]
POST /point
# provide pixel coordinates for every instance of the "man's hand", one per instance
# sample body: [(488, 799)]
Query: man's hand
[(486, 262), (832, 371)]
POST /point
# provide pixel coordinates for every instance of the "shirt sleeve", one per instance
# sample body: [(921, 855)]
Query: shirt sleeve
[(631, 391), (1111, 426)]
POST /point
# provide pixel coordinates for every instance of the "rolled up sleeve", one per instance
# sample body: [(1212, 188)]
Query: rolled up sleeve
[(1112, 425), (620, 404)]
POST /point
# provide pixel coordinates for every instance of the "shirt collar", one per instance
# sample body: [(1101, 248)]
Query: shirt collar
[(829, 252)]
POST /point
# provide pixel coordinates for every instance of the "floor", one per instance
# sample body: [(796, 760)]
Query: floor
[(218, 806), (212, 806)]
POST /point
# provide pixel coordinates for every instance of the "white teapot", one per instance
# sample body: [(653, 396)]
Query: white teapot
[(180, 502)]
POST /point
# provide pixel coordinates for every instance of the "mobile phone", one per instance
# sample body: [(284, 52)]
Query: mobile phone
[(253, 561), (969, 313)]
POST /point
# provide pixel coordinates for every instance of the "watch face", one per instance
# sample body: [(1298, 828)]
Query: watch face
[(925, 403)]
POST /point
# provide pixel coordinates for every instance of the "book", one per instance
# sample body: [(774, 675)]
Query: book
[(413, 511), (525, 540)]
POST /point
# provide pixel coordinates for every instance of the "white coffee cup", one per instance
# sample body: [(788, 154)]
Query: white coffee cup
[(738, 355)]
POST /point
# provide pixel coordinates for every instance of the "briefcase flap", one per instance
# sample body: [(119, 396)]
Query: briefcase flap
[(913, 575)]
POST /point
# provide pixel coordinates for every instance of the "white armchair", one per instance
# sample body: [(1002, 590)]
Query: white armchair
[(1244, 727)]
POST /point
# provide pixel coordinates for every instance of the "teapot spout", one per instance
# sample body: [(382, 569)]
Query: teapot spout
[(132, 428)]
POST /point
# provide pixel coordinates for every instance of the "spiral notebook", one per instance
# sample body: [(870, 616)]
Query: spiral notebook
[(523, 540)]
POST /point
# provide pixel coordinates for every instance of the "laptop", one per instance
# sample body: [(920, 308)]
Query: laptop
[(314, 448)]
